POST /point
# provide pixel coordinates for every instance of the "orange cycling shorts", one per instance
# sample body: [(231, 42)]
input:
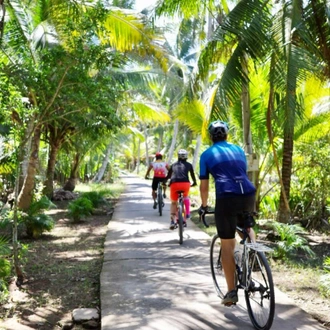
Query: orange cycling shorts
[(179, 186)]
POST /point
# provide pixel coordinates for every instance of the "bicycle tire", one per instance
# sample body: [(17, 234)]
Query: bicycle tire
[(259, 293), (160, 200), (218, 275), (180, 223)]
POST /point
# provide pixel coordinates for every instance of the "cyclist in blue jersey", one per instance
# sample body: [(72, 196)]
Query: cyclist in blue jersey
[(235, 194)]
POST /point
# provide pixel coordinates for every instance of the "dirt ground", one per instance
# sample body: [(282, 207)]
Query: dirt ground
[(63, 267)]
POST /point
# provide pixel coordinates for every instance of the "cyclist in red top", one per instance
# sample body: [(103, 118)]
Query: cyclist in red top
[(160, 169)]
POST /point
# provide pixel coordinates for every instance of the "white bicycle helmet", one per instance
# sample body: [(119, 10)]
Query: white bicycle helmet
[(182, 154), (218, 128)]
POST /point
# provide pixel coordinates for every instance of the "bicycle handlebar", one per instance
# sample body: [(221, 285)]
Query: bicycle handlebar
[(202, 217), (248, 220)]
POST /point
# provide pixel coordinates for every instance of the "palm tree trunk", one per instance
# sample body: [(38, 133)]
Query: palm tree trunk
[(246, 111), (48, 184), (196, 153), (284, 210), (294, 16), (138, 157), (99, 175), (70, 185), (2, 19), (18, 269), (24, 153), (146, 144), (26, 194), (160, 140), (270, 109), (173, 143)]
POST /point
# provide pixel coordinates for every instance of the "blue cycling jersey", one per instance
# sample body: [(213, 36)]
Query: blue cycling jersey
[(226, 162)]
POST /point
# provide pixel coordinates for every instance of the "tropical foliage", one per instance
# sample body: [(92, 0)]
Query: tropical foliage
[(88, 89), (325, 278), (290, 240)]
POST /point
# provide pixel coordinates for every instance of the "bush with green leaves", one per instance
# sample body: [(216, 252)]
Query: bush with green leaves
[(310, 185), (290, 240), (5, 267), (35, 220), (79, 208), (96, 197), (325, 279)]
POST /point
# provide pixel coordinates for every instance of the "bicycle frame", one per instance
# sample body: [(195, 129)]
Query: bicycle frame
[(249, 260)]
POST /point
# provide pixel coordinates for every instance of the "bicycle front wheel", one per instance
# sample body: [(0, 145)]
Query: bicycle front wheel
[(160, 201), (216, 267), (180, 223), (259, 293)]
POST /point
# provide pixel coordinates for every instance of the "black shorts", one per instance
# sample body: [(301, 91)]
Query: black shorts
[(229, 213), (155, 182)]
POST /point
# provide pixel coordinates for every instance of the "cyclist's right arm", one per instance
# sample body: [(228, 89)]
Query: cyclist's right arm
[(148, 171)]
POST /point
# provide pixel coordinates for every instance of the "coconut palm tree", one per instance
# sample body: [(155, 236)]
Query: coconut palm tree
[(46, 31)]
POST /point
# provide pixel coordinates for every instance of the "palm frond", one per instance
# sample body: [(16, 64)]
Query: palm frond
[(20, 12), (125, 31), (149, 112), (192, 114), (185, 8)]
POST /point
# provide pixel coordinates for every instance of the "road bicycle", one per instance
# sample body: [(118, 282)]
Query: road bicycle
[(253, 274), (180, 216), (160, 198)]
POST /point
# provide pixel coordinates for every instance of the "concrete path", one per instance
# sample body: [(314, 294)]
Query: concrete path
[(150, 282)]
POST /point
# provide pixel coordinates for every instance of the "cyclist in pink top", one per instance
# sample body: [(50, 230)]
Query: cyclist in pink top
[(160, 169)]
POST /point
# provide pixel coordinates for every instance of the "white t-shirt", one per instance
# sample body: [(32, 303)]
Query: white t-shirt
[(160, 170)]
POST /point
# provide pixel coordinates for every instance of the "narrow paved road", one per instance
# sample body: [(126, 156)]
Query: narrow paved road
[(150, 282)]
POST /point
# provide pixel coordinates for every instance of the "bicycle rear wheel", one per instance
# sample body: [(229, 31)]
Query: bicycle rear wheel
[(180, 223), (216, 267), (259, 294), (160, 201)]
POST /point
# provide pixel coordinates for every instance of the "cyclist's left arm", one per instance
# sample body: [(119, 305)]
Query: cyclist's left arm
[(193, 177)]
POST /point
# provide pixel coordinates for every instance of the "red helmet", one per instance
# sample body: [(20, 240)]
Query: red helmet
[(158, 154)]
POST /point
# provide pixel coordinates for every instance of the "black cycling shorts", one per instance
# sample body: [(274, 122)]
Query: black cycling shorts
[(229, 212), (155, 182)]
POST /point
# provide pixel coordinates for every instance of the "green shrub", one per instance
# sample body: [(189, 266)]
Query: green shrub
[(80, 208), (96, 197), (290, 240), (35, 220), (325, 279), (5, 267)]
